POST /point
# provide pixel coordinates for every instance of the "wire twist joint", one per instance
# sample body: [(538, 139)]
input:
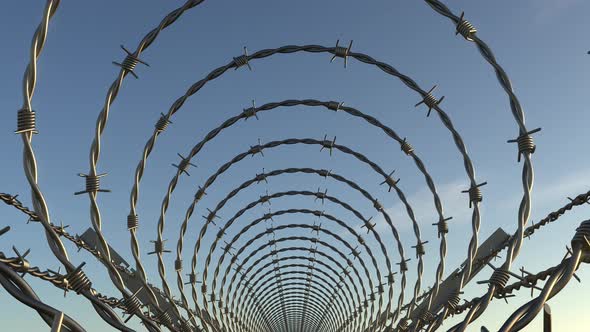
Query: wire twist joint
[(465, 28)]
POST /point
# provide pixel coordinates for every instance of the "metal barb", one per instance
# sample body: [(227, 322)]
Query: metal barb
[(242, 60), (92, 184), (321, 195), (261, 177), (327, 144), (368, 225), (465, 28), (4, 230), (256, 149), (430, 101), (184, 164), (129, 63), (475, 195), (26, 122), (390, 181), (525, 143), (158, 247), (250, 112), (341, 52)]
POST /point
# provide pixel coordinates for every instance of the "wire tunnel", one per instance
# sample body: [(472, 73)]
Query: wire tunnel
[(314, 260)]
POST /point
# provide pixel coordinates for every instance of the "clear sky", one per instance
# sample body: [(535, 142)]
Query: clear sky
[(542, 44)]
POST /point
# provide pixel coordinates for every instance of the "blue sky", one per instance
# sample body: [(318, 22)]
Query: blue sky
[(541, 44)]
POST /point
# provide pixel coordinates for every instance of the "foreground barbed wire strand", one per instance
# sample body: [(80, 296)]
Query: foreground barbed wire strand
[(21, 265), (17, 287), (526, 148), (579, 200), (77, 241), (559, 279), (20, 289), (27, 128), (126, 68)]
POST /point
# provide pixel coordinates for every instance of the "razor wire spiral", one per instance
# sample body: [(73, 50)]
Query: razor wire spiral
[(271, 282)]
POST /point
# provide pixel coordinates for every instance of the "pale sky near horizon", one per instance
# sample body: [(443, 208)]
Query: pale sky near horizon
[(541, 44)]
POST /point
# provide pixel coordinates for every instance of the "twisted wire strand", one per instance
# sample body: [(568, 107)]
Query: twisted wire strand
[(559, 279), (59, 230), (29, 160), (76, 240), (527, 171), (30, 163), (529, 281), (579, 200), (101, 122), (18, 288), (18, 264)]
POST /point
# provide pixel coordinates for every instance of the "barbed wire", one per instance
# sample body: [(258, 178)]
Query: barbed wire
[(530, 278), (275, 144), (26, 128), (55, 278), (316, 195), (271, 294), (526, 148), (127, 66)]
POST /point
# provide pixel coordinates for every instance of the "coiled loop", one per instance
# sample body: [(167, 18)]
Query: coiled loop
[(132, 221), (26, 122), (77, 280), (465, 28)]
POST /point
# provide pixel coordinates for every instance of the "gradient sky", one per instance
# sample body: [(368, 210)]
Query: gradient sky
[(542, 44)]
